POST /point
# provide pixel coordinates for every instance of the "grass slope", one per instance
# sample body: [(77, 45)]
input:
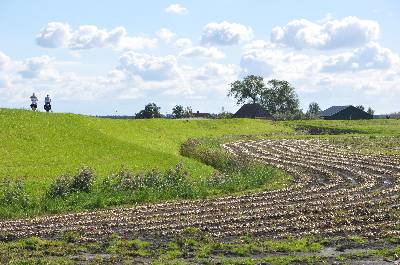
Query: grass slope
[(37, 147)]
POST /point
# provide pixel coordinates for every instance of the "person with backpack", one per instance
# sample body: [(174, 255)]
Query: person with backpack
[(47, 103), (34, 102)]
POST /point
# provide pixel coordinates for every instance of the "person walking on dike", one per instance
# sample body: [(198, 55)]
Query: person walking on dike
[(47, 103), (34, 101)]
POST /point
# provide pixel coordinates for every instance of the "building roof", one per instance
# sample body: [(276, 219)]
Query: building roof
[(253, 110), (199, 114), (333, 110)]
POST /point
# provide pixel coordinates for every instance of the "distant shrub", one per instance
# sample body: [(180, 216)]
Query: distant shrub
[(60, 187), (216, 179), (13, 192), (287, 116), (127, 180), (216, 157), (83, 181), (173, 181), (188, 148), (151, 179), (224, 115), (66, 184), (175, 176)]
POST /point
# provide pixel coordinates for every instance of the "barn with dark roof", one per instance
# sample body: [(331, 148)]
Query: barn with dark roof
[(253, 111), (344, 113)]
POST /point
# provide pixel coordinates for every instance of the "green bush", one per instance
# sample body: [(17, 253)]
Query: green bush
[(172, 179), (60, 187), (66, 184), (127, 180), (188, 148), (215, 157), (216, 178), (83, 181), (13, 192), (150, 179)]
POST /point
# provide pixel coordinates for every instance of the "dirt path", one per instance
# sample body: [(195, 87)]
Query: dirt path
[(334, 194)]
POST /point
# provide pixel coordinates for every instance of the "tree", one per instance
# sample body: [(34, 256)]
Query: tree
[(280, 99), (361, 107), (150, 111), (178, 112), (188, 112), (250, 88), (313, 110), (370, 111)]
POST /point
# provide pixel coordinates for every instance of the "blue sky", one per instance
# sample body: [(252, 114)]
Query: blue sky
[(105, 57)]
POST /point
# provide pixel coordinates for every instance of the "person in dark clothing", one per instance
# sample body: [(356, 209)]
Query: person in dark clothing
[(47, 103), (34, 101)]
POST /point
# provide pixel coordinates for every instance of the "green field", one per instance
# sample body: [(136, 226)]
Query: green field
[(40, 146), (37, 148)]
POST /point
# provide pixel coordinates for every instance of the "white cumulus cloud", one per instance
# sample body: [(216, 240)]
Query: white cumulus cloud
[(177, 9), (217, 71), (258, 44), (371, 56), (137, 43), (257, 63), (165, 34), (58, 34), (183, 43), (38, 67), (278, 63), (149, 67), (4, 82), (225, 33), (332, 34), (54, 35), (89, 36), (202, 52), (4, 61)]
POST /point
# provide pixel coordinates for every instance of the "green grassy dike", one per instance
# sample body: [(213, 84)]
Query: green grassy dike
[(40, 146)]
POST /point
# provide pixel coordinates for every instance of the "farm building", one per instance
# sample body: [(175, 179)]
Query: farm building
[(253, 111), (202, 115), (344, 113)]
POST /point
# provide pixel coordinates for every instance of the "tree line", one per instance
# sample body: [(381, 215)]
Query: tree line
[(278, 97), (151, 110)]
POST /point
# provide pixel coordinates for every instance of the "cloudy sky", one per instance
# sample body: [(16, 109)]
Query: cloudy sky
[(107, 57)]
